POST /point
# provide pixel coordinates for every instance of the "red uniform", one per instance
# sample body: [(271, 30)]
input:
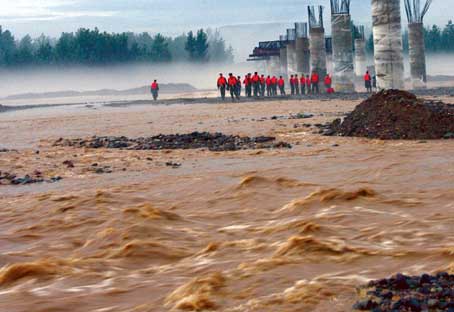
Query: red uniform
[(315, 78), (255, 79), (281, 82), (262, 80), (268, 81), (274, 80), (154, 86), (367, 77), (232, 82), (246, 81), (328, 80), (222, 82), (303, 80)]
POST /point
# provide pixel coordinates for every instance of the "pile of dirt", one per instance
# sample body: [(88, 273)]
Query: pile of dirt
[(394, 115), (408, 293), (195, 140)]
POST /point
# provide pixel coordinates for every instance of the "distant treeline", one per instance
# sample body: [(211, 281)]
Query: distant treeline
[(92, 47), (437, 40)]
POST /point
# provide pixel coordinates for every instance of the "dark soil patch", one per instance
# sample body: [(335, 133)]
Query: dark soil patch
[(195, 140), (394, 114), (7, 178), (408, 293)]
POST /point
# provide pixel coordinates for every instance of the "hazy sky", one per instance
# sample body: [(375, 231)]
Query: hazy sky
[(167, 16)]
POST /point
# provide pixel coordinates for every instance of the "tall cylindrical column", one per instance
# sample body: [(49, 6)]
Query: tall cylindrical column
[(291, 51), (360, 57), (387, 29), (283, 61), (343, 70), (417, 54), (303, 55), (318, 50)]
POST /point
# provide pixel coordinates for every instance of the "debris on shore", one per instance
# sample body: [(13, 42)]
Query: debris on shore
[(212, 141), (7, 178), (408, 293), (395, 115)]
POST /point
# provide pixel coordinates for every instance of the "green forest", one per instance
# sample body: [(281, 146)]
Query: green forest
[(93, 47), (438, 40)]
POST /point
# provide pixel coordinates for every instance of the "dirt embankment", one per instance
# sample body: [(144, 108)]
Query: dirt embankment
[(394, 115)]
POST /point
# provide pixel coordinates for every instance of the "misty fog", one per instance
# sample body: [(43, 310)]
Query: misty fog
[(201, 76)]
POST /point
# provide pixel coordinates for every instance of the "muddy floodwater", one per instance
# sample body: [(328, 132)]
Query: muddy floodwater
[(255, 230)]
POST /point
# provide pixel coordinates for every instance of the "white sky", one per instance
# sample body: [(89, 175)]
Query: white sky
[(168, 16)]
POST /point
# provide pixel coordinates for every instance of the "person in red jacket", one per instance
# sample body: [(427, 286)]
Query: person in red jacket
[(154, 88), (248, 85), (328, 81), (281, 84), (232, 82), (268, 86), (368, 82), (292, 85), (222, 85), (315, 80), (256, 84), (238, 86), (308, 84), (274, 86), (303, 84), (296, 81), (262, 85)]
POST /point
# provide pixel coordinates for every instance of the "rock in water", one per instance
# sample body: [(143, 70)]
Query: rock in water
[(394, 115)]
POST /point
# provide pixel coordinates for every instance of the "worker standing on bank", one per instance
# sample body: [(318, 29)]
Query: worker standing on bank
[(297, 84), (292, 85), (256, 84), (308, 84), (368, 82), (247, 85), (274, 86), (281, 84), (303, 84), (155, 90), (268, 86), (315, 80), (222, 84), (238, 86), (262, 85), (328, 81), (232, 85)]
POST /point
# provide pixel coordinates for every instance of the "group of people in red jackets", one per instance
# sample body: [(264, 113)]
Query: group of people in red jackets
[(258, 85)]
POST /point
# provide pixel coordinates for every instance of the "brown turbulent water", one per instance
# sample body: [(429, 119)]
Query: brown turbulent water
[(272, 230)]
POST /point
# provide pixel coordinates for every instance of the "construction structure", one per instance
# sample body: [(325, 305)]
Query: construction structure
[(360, 51), (416, 44), (317, 41), (291, 52), (303, 54), (341, 28), (388, 54), (268, 52)]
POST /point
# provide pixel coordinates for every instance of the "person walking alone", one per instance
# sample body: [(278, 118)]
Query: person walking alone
[(154, 88), (222, 84), (368, 82)]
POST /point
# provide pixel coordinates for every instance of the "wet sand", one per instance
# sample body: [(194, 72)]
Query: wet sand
[(255, 230)]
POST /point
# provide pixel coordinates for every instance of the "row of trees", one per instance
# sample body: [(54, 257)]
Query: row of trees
[(92, 47), (437, 40)]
